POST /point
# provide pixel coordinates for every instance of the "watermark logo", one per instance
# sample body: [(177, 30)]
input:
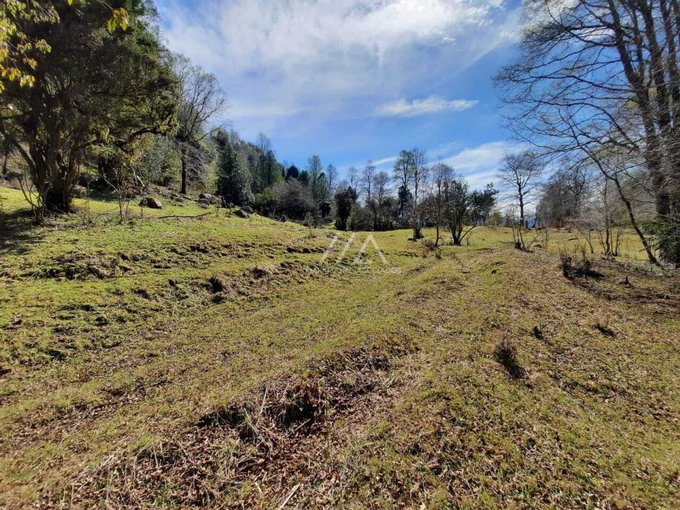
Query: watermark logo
[(360, 257)]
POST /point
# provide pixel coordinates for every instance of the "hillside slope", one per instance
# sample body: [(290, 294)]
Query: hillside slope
[(222, 362)]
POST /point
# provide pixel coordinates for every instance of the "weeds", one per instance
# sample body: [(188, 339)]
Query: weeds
[(431, 247), (577, 265), (506, 354)]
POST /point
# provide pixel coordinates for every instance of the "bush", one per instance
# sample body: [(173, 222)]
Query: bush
[(668, 239), (578, 266), (294, 200), (359, 219), (266, 203)]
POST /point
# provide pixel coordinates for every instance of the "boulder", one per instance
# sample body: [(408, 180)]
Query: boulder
[(247, 209), (151, 203), (240, 213), (207, 198), (80, 191)]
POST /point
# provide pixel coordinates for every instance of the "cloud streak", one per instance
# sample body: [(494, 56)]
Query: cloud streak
[(478, 165), (417, 107)]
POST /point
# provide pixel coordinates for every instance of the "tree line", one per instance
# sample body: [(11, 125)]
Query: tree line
[(91, 98), (415, 196)]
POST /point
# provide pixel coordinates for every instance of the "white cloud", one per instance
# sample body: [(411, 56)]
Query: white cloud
[(432, 104), (484, 157), (287, 55)]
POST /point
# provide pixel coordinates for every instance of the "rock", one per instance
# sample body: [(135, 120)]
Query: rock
[(80, 191), (240, 213), (151, 203), (247, 209), (207, 198)]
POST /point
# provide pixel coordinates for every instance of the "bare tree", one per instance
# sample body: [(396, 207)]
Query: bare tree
[(381, 183), (441, 177), (520, 175), (264, 143), (332, 177), (201, 99), (367, 176), (410, 172), (598, 77)]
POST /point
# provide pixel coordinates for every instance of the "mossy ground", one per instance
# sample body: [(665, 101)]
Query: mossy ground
[(115, 346)]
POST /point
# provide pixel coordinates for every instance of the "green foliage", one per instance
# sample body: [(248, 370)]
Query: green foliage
[(55, 134), (159, 162), (233, 181), (667, 235), (266, 203), (360, 219), (268, 172), (294, 200), (18, 49), (344, 200)]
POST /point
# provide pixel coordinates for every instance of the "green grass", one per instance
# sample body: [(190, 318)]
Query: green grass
[(115, 346)]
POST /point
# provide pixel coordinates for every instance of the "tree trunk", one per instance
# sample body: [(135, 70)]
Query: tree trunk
[(5, 160), (183, 158), (631, 216), (57, 198)]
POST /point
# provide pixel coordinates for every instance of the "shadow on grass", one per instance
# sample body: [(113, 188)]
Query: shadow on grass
[(18, 232)]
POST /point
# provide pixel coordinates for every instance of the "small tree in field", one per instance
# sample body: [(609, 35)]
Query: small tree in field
[(462, 207), (520, 177), (441, 177), (410, 173)]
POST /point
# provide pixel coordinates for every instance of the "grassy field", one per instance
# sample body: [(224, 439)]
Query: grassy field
[(220, 362)]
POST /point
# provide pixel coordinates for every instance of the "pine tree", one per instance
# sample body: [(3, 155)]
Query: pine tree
[(233, 181)]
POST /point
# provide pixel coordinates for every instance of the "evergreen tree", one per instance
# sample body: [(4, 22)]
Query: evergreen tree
[(344, 200), (233, 181)]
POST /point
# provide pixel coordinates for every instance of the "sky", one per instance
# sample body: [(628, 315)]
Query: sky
[(357, 80)]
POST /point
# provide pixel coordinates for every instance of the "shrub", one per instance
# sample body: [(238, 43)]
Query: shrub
[(294, 200), (506, 354), (668, 239), (265, 203), (577, 266), (359, 219)]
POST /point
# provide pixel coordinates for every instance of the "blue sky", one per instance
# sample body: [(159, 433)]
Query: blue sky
[(352, 80)]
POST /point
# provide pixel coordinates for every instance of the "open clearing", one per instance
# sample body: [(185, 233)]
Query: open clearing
[(217, 362)]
